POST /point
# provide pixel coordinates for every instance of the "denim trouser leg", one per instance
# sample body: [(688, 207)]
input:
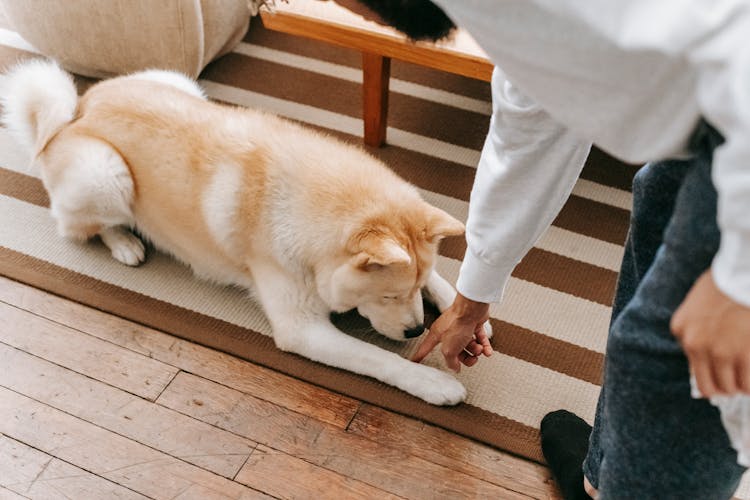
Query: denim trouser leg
[(655, 190), (650, 438)]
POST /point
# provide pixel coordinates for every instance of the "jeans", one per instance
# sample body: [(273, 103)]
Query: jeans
[(650, 438)]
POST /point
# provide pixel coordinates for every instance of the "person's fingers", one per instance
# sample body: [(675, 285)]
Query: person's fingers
[(487, 347), (723, 375), (742, 373), (479, 331), (483, 340), (467, 359), (454, 360), (431, 339), (474, 348), (677, 323), (703, 376)]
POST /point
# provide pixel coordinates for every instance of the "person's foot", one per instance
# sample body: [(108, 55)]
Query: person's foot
[(565, 442)]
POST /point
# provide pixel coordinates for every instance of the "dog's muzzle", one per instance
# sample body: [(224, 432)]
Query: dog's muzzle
[(414, 332)]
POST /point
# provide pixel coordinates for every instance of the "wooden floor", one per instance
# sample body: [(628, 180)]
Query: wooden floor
[(93, 406)]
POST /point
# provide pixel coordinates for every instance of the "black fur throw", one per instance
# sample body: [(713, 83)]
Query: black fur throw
[(417, 19)]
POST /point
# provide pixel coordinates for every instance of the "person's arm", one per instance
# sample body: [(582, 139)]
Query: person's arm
[(528, 167), (713, 322)]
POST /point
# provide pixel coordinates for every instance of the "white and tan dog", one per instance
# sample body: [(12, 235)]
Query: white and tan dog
[(245, 198)]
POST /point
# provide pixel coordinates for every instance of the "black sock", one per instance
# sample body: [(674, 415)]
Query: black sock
[(565, 442)]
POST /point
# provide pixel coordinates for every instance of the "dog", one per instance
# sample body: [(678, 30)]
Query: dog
[(311, 225)]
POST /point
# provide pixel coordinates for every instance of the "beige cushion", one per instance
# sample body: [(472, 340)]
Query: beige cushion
[(101, 38)]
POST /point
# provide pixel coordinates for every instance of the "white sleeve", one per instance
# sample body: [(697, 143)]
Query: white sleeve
[(713, 38), (724, 95), (528, 167)]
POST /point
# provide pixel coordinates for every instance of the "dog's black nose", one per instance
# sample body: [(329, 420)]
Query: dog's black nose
[(414, 332)]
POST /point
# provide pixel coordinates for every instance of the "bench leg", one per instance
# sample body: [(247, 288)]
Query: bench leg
[(376, 71)]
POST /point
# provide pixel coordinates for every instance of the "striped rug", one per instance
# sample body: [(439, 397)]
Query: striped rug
[(550, 330)]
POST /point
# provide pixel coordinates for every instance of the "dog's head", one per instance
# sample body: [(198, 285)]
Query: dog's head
[(386, 263)]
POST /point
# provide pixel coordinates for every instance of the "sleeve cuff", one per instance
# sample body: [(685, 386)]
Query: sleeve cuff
[(480, 281)]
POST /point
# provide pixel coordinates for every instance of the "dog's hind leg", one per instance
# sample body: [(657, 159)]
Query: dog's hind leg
[(91, 193)]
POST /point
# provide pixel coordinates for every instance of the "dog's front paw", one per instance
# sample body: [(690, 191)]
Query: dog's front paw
[(434, 386), (124, 245)]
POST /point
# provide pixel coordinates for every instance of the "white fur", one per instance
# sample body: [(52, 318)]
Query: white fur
[(38, 98), (174, 78), (125, 246), (95, 190), (220, 204)]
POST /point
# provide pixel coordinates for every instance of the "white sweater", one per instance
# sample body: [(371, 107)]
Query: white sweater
[(633, 77)]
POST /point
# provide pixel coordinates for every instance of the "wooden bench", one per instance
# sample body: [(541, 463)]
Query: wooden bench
[(327, 21)]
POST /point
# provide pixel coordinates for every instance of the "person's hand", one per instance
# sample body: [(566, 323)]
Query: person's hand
[(714, 331), (460, 330)]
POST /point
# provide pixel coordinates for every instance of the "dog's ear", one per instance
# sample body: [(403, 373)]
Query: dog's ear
[(376, 250), (440, 224)]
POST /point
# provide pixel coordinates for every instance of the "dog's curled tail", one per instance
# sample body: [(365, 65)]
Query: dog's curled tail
[(38, 99)]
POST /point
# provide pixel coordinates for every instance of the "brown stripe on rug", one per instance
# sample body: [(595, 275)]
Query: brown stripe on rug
[(580, 215), (594, 219), (602, 168), (554, 271), (567, 275), (465, 419), (555, 354), (23, 187)]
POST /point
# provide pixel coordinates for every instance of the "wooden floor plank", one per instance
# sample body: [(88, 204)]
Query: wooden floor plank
[(322, 444), (83, 353), (452, 451), (109, 455), (138, 419), (299, 430), (34, 474), (228, 370), (301, 479), (6, 494)]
